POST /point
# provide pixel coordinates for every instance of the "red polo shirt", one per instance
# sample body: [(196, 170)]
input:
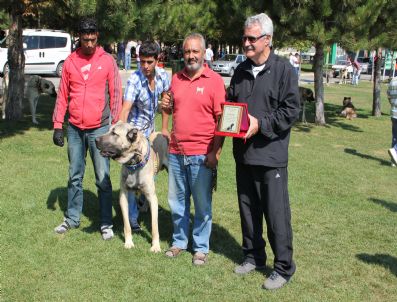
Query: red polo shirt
[(197, 103)]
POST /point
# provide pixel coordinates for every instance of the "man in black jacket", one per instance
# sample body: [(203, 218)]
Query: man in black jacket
[(268, 85)]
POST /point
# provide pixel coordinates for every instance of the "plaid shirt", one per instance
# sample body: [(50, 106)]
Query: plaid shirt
[(392, 95), (145, 101)]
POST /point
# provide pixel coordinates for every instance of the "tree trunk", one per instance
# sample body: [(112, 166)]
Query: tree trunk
[(318, 84), (16, 63), (376, 107)]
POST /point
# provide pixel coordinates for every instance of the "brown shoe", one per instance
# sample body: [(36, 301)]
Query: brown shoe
[(173, 252), (200, 258)]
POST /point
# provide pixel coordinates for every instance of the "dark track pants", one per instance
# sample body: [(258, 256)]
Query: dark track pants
[(263, 191)]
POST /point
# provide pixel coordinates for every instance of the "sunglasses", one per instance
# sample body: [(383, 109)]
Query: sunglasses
[(252, 39)]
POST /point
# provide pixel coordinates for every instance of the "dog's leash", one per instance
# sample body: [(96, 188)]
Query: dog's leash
[(214, 184)]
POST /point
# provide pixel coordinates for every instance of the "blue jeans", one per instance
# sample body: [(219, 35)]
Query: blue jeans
[(394, 133), (120, 58), (356, 77), (188, 175), (127, 61), (79, 142), (133, 212)]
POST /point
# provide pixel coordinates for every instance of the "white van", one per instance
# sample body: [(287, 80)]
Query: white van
[(45, 51)]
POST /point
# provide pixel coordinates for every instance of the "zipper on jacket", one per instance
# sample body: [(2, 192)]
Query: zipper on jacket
[(82, 115)]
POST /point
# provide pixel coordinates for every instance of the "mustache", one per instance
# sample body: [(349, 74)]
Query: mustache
[(249, 47), (192, 61)]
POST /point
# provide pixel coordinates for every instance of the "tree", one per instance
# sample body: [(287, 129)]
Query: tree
[(324, 23), (381, 34), (16, 60)]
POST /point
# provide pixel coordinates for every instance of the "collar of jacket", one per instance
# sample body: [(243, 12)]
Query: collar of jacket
[(247, 64), (132, 166)]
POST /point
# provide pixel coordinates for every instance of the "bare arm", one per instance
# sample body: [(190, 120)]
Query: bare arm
[(164, 125), (125, 110)]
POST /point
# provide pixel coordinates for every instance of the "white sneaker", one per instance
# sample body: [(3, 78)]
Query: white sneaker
[(393, 154), (274, 281), (107, 232)]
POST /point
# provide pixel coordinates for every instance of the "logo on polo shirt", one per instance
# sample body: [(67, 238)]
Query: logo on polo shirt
[(200, 89)]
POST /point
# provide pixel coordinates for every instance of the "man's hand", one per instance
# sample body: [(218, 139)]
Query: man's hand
[(166, 101), (254, 127), (166, 133), (211, 160), (58, 137)]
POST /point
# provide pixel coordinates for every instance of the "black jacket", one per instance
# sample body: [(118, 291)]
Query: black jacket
[(272, 98)]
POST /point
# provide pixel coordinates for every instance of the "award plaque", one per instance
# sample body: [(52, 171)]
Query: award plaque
[(233, 121)]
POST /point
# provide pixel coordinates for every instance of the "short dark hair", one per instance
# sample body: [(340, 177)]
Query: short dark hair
[(87, 25), (149, 49)]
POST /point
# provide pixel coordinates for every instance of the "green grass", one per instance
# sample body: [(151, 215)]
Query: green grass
[(344, 215)]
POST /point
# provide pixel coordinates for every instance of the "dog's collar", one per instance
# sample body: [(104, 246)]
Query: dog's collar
[(133, 167)]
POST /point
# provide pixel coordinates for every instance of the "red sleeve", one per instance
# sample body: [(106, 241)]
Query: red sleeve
[(219, 96), (115, 91), (62, 98)]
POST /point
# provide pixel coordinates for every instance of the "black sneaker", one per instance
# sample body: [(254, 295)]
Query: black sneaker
[(135, 227)]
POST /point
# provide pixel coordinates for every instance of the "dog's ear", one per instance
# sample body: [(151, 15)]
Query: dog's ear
[(132, 134)]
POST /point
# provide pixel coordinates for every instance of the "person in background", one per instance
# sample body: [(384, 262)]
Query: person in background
[(392, 96), (294, 61), (121, 54), (209, 56), (268, 85), (90, 91), (138, 60), (356, 71), (128, 47)]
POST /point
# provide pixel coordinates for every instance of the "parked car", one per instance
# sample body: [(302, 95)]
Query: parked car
[(45, 51), (228, 63)]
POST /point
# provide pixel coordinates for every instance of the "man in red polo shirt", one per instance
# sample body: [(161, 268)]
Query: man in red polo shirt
[(197, 94)]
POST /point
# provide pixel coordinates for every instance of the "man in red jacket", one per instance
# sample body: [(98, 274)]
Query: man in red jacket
[(90, 90)]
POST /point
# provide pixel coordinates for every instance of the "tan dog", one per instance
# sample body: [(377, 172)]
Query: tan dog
[(348, 111), (141, 159), (344, 76), (34, 87)]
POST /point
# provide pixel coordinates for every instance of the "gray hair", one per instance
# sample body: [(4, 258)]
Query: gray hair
[(264, 22), (195, 36)]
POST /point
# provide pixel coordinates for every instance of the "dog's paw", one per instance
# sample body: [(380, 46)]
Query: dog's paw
[(128, 245), (155, 248)]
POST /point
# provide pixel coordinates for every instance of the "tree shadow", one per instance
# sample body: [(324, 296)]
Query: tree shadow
[(45, 107), (221, 242), (387, 261), (366, 156), (90, 206), (332, 118), (391, 206)]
